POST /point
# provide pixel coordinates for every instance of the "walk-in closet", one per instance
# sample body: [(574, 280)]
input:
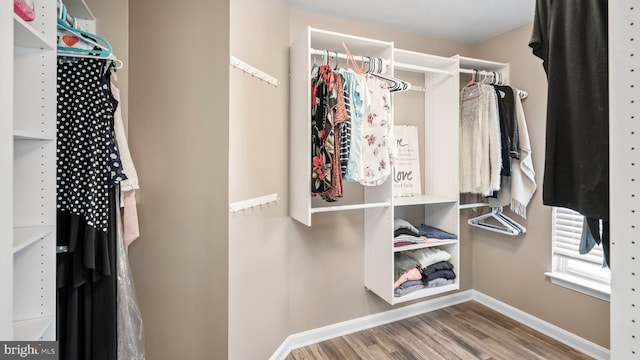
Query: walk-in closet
[(310, 181)]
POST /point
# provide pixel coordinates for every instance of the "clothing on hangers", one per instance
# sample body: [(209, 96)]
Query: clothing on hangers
[(480, 145), (576, 173), (490, 159), (352, 130), (86, 196)]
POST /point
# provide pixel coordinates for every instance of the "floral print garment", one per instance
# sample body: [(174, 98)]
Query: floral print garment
[(327, 111), (377, 135)]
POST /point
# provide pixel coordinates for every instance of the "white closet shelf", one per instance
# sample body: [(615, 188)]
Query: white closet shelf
[(421, 200), (79, 9), (420, 69), (31, 329), (472, 63), (425, 245), (30, 135), (26, 36), (25, 236), (421, 294)]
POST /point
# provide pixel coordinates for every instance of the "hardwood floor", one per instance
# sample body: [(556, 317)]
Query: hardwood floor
[(466, 331)]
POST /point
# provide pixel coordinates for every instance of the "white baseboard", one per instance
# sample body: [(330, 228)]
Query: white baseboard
[(309, 337), (570, 339)]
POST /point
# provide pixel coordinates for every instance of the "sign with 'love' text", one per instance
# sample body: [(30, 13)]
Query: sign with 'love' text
[(406, 166)]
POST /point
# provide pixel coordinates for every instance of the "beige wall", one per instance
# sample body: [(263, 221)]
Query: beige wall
[(178, 129), (258, 153), (511, 269)]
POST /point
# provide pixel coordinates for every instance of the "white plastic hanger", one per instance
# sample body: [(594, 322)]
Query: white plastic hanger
[(509, 226), (375, 69)]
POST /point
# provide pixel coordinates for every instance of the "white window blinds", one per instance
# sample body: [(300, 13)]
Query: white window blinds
[(567, 232)]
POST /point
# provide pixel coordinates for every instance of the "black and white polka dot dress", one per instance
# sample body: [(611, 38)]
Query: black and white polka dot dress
[(86, 149), (88, 169)]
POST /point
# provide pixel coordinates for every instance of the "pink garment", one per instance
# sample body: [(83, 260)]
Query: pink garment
[(131, 229), (411, 274)]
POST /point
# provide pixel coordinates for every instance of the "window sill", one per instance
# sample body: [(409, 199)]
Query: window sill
[(581, 285)]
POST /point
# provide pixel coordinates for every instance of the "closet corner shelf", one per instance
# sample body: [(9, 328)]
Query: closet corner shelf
[(421, 294), (468, 62), (25, 236), (420, 69), (425, 245), (26, 36), (421, 200), (31, 329), (29, 135), (79, 9)]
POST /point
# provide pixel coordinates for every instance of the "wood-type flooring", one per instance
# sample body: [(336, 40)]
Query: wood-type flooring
[(465, 331)]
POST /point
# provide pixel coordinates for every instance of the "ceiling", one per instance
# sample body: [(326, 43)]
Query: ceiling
[(467, 21)]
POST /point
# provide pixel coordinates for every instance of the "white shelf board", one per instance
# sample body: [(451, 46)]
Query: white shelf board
[(472, 63), (425, 245), (419, 294), (421, 200), (25, 236), (26, 36), (79, 9), (31, 329), (29, 135)]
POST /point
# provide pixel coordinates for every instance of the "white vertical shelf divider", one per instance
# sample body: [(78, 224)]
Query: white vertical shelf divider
[(439, 198), (624, 147), (7, 40), (33, 173)]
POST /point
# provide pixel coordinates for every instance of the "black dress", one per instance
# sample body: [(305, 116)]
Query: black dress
[(571, 37), (86, 205)]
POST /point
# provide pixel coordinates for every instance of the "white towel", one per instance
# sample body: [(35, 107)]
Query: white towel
[(523, 181)]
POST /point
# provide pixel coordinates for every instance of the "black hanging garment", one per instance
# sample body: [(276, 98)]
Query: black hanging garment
[(87, 173), (571, 37)]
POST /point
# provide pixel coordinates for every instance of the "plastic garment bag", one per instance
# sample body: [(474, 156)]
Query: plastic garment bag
[(130, 330)]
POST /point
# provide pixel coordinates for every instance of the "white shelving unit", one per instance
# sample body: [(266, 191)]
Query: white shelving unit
[(439, 122), (438, 205), (27, 228), (375, 199)]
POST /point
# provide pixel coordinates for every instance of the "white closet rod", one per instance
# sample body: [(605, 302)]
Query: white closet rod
[(470, 71), (350, 207), (472, 206), (333, 54), (521, 93)]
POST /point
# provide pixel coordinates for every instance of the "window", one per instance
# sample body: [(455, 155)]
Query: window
[(583, 273)]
